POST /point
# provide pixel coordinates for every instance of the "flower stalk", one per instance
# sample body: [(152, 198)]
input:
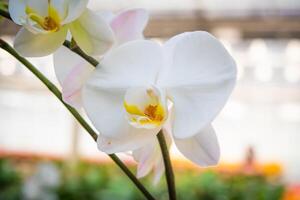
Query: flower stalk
[(168, 166), (78, 51), (5, 46), (5, 14)]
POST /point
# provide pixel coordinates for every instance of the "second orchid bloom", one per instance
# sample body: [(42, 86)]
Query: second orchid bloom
[(47, 22)]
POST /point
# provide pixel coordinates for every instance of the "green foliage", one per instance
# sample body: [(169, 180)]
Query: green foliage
[(10, 181), (105, 182), (213, 186), (95, 182)]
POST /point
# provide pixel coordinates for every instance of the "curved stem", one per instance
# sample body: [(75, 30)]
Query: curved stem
[(168, 165), (77, 50), (5, 14), (5, 46)]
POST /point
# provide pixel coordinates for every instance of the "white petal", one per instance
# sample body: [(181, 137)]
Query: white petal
[(75, 9), (61, 6), (36, 45), (130, 140), (133, 64), (104, 107), (92, 34), (199, 77), (17, 10), (130, 24), (107, 16), (202, 149), (39, 6)]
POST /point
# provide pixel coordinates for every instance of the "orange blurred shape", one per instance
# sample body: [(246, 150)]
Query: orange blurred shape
[(271, 169), (292, 193)]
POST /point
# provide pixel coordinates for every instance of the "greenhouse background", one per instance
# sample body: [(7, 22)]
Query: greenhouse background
[(258, 130)]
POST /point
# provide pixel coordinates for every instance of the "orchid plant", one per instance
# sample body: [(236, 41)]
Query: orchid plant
[(141, 96)]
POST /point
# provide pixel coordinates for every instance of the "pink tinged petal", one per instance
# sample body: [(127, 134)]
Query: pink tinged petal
[(37, 45), (159, 166), (149, 158), (202, 149), (129, 25), (71, 71), (75, 9), (199, 75), (64, 61), (92, 34), (159, 170), (145, 157), (167, 127), (73, 84)]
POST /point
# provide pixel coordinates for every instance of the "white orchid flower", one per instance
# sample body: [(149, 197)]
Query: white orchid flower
[(72, 70), (127, 95), (46, 23)]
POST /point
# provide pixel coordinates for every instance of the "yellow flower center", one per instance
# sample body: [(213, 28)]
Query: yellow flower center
[(48, 23), (151, 113)]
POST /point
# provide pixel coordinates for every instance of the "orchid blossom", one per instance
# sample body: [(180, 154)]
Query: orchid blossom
[(72, 70), (127, 97), (47, 22)]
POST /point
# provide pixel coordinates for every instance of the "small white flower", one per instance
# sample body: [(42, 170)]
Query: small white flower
[(46, 23), (126, 97), (72, 70)]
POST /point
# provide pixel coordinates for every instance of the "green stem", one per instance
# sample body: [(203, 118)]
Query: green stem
[(168, 166), (5, 14), (77, 50), (5, 46)]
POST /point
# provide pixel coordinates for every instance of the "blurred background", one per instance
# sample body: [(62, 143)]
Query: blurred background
[(258, 130)]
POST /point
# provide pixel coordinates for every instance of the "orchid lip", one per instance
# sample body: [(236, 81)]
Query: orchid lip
[(51, 22), (145, 107)]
